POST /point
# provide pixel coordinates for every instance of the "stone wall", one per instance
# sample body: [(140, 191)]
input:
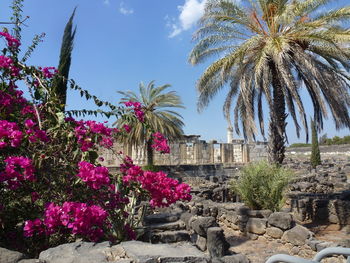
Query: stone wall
[(326, 150), (191, 151)]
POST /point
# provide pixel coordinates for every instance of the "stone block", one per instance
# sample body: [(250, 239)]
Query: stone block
[(281, 220), (256, 226), (297, 235), (161, 218), (216, 242), (170, 236), (161, 253), (274, 232), (201, 224), (9, 256), (77, 252), (201, 243)]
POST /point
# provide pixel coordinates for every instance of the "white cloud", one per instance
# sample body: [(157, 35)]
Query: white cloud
[(106, 2), (190, 12), (125, 10)]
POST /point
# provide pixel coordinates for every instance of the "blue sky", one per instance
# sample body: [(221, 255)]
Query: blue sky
[(121, 43)]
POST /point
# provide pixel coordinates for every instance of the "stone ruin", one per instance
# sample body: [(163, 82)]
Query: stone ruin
[(211, 226), (190, 150)]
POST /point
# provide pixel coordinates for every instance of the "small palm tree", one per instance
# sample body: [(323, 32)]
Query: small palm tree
[(159, 116), (272, 49)]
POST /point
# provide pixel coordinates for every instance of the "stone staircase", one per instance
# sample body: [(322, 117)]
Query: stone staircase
[(165, 228)]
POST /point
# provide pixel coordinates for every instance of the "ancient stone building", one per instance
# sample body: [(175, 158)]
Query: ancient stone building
[(191, 151)]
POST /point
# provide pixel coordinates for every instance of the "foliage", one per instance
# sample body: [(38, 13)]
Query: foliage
[(152, 168), (315, 158), (300, 145), (60, 83), (269, 49), (262, 185), (53, 188), (336, 140), (158, 105)]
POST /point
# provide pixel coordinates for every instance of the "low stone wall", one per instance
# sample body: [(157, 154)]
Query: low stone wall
[(326, 150), (331, 208), (262, 225)]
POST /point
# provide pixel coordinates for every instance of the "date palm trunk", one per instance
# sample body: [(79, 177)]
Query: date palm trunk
[(149, 150), (277, 126)]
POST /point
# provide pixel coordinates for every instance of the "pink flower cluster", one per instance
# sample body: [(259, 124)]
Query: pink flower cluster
[(11, 41), (11, 99), (32, 227), (163, 190), (140, 115), (28, 110), (9, 134), (7, 63), (127, 128), (49, 72), (93, 176), (80, 218), (34, 133), (85, 129), (160, 143), (17, 169)]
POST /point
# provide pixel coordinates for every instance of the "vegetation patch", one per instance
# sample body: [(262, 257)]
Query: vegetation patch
[(262, 185)]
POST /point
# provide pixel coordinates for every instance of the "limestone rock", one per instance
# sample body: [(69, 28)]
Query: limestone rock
[(9, 256), (232, 217), (281, 220), (297, 235), (201, 224), (142, 252), (256, 225), (274, 232), (77, 252), (186, 217), (201, 243)]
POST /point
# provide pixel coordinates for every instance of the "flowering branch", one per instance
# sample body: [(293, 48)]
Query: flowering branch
[(34, 105)]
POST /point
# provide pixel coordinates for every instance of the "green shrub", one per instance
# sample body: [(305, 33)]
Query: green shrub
[(261, 185), (151, 167)]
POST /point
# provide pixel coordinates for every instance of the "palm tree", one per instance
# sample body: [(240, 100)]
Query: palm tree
[(159, 116), (273, 49)]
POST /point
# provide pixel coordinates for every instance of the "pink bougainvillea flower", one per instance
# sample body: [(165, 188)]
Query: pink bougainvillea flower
[(160, 143), (127, 128), (11, 41), (93, 176)]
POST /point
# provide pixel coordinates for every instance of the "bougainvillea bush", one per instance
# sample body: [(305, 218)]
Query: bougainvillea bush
[(52, 188)]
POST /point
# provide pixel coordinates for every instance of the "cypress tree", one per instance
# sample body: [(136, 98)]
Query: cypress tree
[(60, 83), (315, 152)]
